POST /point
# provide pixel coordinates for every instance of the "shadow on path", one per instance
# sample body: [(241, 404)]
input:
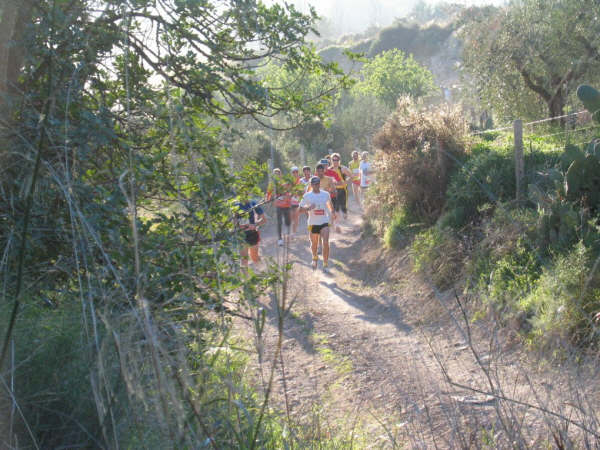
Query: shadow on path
[(373, 311), (295, 326)]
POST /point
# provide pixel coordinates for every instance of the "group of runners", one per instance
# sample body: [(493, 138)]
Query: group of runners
[(321, 195)]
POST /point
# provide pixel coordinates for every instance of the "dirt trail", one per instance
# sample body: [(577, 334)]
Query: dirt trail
[(367, 343)]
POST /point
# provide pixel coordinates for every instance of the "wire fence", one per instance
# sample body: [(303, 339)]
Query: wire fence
[(527, 141), (534, 122)]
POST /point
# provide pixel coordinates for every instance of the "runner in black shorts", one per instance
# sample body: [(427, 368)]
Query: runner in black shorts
[(344, 174), (249, 217), (320, 214)]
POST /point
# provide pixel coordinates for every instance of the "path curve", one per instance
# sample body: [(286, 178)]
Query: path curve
[(373, 343)]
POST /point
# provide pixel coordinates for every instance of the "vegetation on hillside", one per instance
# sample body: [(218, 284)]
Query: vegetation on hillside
[(391, 74), (422, 41), (129, 132), (531, 264), (120, 261)]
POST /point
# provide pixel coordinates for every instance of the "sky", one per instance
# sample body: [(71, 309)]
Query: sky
[(357, 15)]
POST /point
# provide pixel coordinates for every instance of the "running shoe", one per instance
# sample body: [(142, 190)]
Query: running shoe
[(314, 263), (280, 242)]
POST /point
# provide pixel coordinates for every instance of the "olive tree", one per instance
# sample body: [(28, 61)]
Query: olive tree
[(530, 55)]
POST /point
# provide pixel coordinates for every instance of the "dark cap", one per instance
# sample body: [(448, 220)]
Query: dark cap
[(315, 180)]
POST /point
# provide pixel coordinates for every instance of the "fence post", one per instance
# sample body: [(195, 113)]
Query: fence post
[(519, 161)]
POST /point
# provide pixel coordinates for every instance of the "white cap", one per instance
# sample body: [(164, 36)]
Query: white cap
[(293, 168)]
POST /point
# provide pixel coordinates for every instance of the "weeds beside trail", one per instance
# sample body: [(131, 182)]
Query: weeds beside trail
[(375, 354)]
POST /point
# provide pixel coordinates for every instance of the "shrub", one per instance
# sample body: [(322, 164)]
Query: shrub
[(439, 253), (488, 176), (53, 381), (416, 150), (399, 230), (62, 369), (505, 264), (512, 277), (567, 295), (489, 136)]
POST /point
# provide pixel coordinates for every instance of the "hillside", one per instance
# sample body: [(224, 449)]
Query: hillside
[(435, 45)]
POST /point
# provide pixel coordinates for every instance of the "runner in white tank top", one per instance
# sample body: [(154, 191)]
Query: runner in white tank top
[(320, 214)]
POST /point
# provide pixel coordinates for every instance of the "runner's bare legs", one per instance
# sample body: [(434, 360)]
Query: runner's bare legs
[(254, 254), (314, 242), (324, 234), (356, 193)]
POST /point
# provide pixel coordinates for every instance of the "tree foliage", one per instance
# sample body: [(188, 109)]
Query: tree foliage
[(359, 117), (391, 74), (531, 52), (117, 194)]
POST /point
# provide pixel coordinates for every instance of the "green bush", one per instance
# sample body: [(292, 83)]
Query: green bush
[(63, 365), (440, 254), (511, 277), (505, 262), (485, 177), (52, 378), (489, 135), (488, 176), (399, 230), (550, 292), (565, 298)]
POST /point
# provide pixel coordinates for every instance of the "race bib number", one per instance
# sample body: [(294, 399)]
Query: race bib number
[(244, 221), (319, 212)]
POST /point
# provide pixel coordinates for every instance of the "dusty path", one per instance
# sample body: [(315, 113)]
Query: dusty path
[(368, 346)]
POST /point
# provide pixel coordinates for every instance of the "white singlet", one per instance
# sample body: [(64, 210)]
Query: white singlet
[(364, 167), (320, 214)]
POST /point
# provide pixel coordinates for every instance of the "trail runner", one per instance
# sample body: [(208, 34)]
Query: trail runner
[(283, 203), (305, 180), (320, 213), (248, 219), (337, 179), (355, 169), (365, 173), (327, 184), (343, 174)]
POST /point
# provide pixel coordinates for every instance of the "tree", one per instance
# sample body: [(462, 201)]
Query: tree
[(13, 19), (359, 117), (117, 196), (313, 135), (531, 51), (391, 74)]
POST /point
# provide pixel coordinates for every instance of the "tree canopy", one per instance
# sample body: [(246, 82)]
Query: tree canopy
[(391, 74), (117, 193), (532, 53)]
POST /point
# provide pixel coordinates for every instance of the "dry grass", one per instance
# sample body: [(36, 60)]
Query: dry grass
[(415, 151)]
